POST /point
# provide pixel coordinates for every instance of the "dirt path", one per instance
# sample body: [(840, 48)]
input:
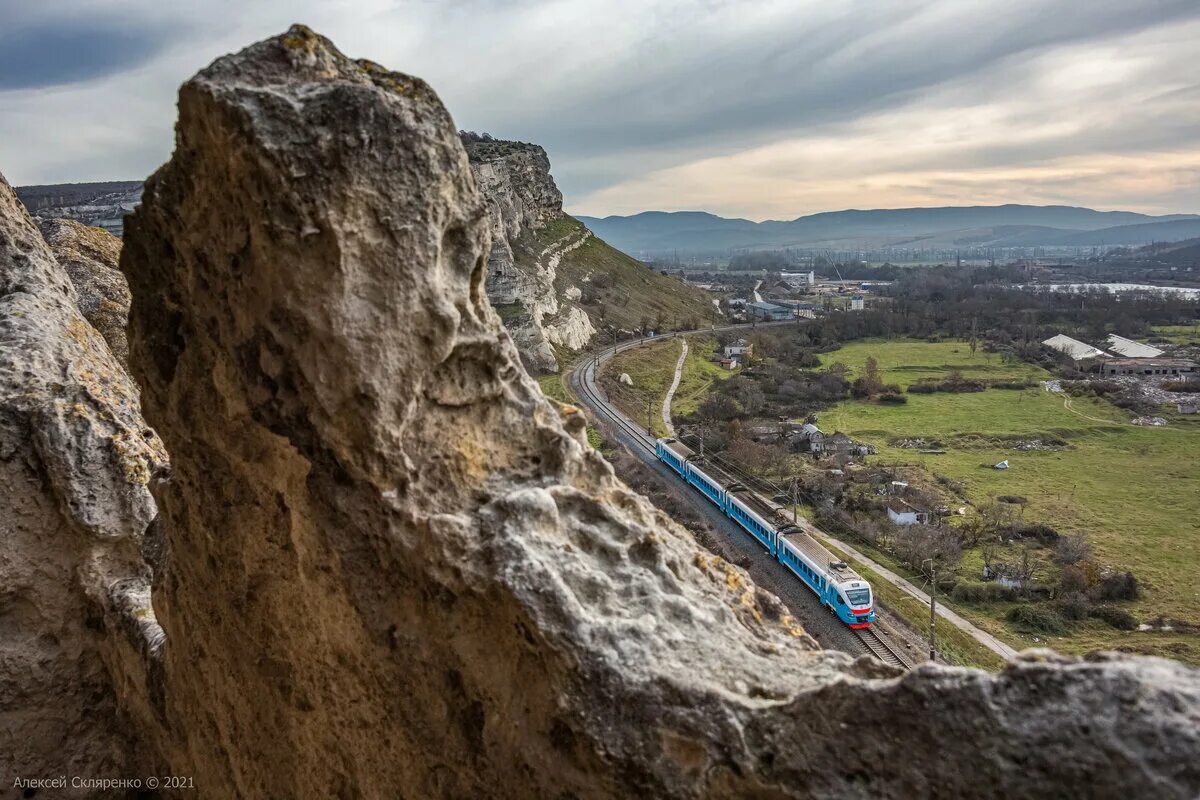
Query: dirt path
[(1069, 405), (666, 408)]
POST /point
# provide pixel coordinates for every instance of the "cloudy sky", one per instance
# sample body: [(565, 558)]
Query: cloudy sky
[(756, 109)]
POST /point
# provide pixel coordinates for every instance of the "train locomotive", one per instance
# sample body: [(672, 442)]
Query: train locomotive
[(839, 588)]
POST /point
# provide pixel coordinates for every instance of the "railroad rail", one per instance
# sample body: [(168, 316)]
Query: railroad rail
[(879, 647), (584, 380)]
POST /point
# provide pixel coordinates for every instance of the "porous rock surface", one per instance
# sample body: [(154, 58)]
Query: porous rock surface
[(393, 569), (91, 259), (76, 458)]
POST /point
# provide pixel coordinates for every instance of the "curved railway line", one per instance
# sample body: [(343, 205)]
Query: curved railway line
[(583, 381)]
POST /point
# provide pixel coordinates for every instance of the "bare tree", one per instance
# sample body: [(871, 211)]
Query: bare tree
[(1072, 549)]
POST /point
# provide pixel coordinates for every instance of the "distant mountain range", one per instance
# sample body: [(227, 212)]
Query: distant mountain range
[(658, 232)]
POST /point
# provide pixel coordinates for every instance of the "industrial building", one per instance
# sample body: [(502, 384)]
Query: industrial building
[(769, 311), (1167, 367), (1131, 349), (1073, 348)]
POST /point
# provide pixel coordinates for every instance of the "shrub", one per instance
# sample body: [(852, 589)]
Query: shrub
[(1041, 532), (1072, 549), (1118, 618), (1073, 607), (1037, 619), (1076, 578), (1191, 386), (895, 398), (1014, 499), (1118, 586), (971, 592), (922, 388)]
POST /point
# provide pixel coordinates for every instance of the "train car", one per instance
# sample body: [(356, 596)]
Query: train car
[(708, 485), (674, 453), (748, 511), (839, 588)]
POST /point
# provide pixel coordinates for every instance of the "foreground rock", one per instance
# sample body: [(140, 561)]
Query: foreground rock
[(394, 569), (75, 461), (90, 256)]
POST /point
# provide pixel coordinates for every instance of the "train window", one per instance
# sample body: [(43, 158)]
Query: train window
[(858, 597)]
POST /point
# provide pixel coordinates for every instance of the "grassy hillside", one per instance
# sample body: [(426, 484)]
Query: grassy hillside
[(1132, 491), (651, 369), (619, 292)]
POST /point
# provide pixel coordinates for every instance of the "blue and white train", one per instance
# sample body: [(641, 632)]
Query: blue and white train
[(838, 587)]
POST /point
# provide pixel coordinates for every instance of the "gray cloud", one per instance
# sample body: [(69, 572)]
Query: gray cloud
[(65, 51), (621, 89)]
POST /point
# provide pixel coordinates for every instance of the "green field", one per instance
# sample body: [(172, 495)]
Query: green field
[(699, 374), (1133, 491), (906, 362), (1179, 334), (650, 368)]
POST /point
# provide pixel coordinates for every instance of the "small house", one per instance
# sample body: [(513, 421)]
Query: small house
[(740, 348), (902, 512), (856, 302), (809, 439)]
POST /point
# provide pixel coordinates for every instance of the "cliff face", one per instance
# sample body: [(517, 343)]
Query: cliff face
[(76, 459), (90, 258), (99, 205), (523, 201), (385, 565)]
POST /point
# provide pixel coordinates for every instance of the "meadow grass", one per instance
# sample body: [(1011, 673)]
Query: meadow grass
[(699, 374), (651, 368), (1179, 334), (1134, 492)]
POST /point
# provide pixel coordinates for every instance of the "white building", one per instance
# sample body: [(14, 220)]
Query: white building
[(856, 302), (739, 349), (1074, 348), (1131, 349), (901, 513)]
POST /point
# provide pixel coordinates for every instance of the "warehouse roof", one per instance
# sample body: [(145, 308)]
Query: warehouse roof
[(1128, 347), (1073, 347)]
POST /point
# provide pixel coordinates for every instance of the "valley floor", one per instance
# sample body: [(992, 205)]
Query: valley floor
[(1132, 491)]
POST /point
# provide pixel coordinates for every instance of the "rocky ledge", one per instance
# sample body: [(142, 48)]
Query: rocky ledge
[(522, 200)]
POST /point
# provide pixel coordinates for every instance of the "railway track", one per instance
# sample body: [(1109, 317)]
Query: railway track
[(879, 647), (583, 380)]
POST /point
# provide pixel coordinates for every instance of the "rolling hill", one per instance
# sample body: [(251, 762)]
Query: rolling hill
[(658, 232)]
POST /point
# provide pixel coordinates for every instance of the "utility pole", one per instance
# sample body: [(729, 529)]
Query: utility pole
[(649, 416), (795, 502), (932, 609)]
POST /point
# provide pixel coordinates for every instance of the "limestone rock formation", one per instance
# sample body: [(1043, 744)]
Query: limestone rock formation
[(90, 257), (522, 200), (75, 461), (391, 568)]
